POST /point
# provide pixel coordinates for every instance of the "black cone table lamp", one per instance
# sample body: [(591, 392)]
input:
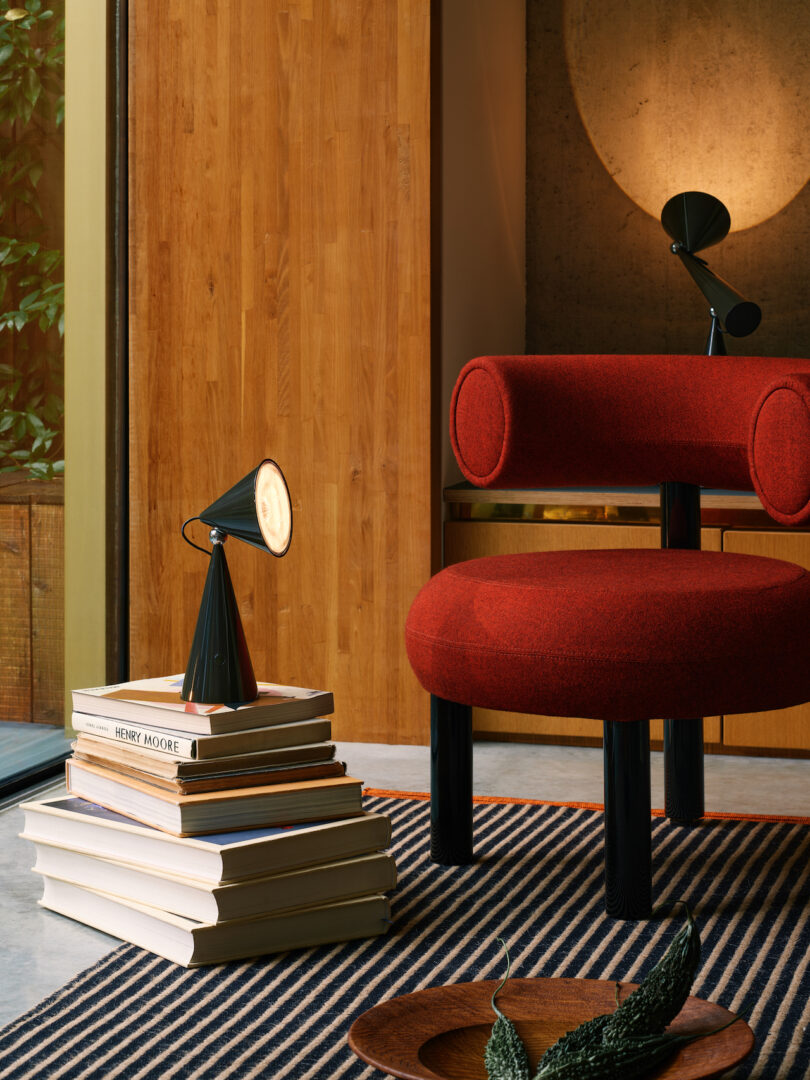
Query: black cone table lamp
[(695, 220), (258, 511)]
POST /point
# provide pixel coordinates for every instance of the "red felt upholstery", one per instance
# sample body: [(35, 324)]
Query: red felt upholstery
[(624, 635), (779, 449), (616, 635), (528, 421)]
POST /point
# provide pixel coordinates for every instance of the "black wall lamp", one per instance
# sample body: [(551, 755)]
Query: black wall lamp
[(695, 220), (258, 511)]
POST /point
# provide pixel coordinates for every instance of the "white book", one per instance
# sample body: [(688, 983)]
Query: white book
[(177, 745), (211, 903), (164, 765), (203, 812), (215, 857), (190, 943), (157, 702)]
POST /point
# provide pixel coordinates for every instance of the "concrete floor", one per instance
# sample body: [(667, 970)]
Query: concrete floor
[(39, 951)]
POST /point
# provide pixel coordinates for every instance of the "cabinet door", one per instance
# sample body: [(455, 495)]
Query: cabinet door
[(473, 539), (780, 729)]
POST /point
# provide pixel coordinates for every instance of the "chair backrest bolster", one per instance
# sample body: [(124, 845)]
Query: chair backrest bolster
[(738, 423)]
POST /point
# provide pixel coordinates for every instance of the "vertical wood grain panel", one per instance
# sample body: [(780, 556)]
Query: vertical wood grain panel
[(783, 729), (15, 613), (280, 262), (47, 613)]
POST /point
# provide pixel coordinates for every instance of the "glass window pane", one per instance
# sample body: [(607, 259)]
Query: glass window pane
[(32, 39)]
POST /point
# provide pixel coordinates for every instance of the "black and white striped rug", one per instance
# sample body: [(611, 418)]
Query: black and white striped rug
[(537, 884)]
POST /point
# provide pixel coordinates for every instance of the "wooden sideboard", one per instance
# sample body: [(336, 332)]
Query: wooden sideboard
[(506, 522)]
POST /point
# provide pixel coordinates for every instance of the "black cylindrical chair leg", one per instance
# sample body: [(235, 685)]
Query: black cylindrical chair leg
[(628, 858), (683, 770), (451, 822)]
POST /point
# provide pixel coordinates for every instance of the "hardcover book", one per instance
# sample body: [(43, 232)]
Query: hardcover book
[(242, 808), (191, 943), (175, 768), (278, 774), (157, 702), (175, 744), (206, 902), (214, 857)]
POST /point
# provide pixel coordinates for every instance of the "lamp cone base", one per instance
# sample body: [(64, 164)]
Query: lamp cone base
[(219, 671)]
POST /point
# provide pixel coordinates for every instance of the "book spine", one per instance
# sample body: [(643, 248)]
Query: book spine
[(132, 735)]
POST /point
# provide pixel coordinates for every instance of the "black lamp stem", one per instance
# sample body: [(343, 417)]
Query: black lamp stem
[(715, 343)]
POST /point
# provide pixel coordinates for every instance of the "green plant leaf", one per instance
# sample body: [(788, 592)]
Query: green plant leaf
[(31, 105), (30, 299), (31, 85), (50, 260)]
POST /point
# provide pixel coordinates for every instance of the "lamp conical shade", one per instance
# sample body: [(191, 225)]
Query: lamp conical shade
[(219, 670), (256, 510), (739, 316), (695, 220)]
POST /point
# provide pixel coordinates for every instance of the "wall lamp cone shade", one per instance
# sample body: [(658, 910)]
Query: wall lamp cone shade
[(695, 220), (257, 510)]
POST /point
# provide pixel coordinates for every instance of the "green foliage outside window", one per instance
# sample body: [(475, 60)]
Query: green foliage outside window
[(32, 291)]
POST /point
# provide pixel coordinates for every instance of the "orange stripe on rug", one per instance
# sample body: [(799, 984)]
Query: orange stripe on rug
[(713, 814)]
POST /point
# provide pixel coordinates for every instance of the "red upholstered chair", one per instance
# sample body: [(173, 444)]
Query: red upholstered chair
[(624, 635)]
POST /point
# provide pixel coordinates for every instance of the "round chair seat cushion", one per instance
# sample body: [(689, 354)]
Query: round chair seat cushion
[(615, 635)]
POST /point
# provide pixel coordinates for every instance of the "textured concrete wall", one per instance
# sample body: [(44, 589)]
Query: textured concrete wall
[(618, 88)]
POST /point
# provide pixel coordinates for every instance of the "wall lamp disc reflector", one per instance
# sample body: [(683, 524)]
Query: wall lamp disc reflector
[(695, 220)]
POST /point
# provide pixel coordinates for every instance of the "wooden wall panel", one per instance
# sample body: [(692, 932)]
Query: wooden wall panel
[(280, 307), (779, 729)]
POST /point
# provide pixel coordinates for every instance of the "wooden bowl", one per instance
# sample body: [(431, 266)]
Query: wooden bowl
[(440, 1033)]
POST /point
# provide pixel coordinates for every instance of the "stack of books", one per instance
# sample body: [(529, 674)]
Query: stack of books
[(207, 833)]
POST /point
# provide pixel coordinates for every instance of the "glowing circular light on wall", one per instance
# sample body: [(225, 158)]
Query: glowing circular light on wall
[(682, 97)]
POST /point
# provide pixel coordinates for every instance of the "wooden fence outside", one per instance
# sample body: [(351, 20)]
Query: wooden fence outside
[(32, 631)]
